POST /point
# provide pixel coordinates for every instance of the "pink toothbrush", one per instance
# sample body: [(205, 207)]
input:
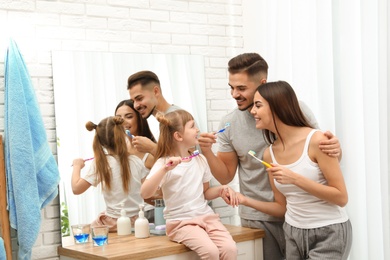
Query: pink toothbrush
[(85, 160), (195, 153)]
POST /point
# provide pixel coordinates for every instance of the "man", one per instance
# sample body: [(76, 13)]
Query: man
[(145, 91), (246, 72)]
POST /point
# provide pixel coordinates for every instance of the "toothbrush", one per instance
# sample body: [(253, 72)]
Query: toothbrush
[(253, 153), (129, 133), (223, 129), (85, 160), (195, 153)]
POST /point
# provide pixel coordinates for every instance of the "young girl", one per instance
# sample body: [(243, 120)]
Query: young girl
[(139, 129), (185, 185), (308, 185), (119, 173)]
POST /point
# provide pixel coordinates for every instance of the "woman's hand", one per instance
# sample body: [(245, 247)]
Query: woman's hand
[(229, 196), (241, 198), (283, 175), (144, 144)]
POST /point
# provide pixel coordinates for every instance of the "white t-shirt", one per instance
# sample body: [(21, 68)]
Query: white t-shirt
[(117, 195), (182, 188)]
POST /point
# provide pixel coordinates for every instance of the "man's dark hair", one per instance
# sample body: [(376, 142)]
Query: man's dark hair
[(142, 77), (251, 63)]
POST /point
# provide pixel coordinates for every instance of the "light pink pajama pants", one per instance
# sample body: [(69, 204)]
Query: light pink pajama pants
[(206, 235)]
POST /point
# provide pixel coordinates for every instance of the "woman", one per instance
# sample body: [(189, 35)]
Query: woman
[(138, 127), (140, 131), (144, 141), (308, 185)]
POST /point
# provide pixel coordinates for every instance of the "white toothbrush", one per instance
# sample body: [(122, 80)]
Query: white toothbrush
[(253, 153)]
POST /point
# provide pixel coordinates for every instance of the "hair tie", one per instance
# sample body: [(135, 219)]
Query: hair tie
[(162, 119), (118, 120), (90, 126)]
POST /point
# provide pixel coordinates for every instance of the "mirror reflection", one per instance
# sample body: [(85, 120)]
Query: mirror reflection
[(88, 86)]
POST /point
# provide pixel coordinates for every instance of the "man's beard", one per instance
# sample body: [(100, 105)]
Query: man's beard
[(246, 108), (151, 112)]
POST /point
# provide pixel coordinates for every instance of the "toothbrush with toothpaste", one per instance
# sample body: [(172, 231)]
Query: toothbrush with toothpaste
[(194, 154), (129, 133), (223, 129), (253, 154), (85, 160)]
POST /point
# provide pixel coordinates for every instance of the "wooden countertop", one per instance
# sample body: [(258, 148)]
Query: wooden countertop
[(129, 247)]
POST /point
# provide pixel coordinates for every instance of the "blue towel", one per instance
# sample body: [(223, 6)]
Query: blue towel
[(31, 170), (3, 255)]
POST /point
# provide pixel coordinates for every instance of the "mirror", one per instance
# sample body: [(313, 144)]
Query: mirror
[(88, 86)]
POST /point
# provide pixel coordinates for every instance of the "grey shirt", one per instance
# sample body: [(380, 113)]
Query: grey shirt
[(172, 108), (241, 137), (154, 124)]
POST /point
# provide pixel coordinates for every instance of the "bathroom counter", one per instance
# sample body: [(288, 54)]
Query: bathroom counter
[(249, 243)]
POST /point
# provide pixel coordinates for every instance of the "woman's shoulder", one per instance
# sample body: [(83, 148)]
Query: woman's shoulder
[(317, 136), (267, 154)]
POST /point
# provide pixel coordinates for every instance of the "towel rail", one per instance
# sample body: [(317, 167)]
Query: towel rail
[(4, 217)]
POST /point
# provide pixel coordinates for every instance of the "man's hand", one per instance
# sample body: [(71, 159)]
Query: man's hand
[(206, 141), (331, 146)]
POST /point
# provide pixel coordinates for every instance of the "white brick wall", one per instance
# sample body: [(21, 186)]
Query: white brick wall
[(210, 28)]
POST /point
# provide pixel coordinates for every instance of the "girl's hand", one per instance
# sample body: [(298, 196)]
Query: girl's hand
[(79, 162), (229, 196), (282, 174), (172, 162)]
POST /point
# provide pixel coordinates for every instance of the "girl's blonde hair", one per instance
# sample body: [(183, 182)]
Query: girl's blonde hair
[(110, 135), (169, 124)]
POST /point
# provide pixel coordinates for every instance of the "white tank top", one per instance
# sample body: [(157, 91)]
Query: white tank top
[(303, 209)]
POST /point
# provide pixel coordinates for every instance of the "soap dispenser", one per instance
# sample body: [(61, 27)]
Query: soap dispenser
[(141, 225), (123, 223)]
